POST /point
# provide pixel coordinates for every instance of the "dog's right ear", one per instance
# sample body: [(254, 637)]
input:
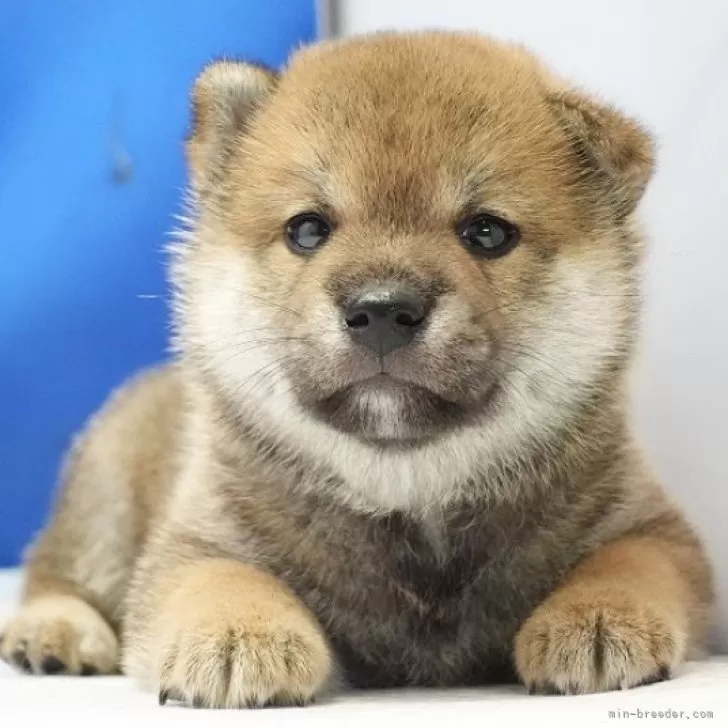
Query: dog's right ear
[(224, 98)]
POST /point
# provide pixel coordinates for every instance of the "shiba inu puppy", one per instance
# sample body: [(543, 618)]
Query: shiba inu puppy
[(393, 446)]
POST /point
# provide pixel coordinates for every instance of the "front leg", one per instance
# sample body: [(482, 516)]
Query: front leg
[(624, 617), (215, 632)]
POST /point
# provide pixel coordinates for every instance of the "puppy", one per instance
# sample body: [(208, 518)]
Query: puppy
[(393, 446)]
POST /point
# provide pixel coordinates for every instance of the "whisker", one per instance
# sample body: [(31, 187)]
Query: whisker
[(272, 304), (527, 352)]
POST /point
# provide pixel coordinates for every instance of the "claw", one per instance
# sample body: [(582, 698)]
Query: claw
[(197, 702), (660, 676), (163, 696), (51, 665), (21, 660), (665, 673)]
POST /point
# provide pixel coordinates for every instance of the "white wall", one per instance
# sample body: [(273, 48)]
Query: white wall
[(665, 61)]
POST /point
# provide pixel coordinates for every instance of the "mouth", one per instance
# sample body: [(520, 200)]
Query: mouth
[(386, 410), (410, 398), (385, 381)]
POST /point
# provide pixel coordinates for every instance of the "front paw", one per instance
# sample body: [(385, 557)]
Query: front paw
[(234, 666), (60, 634), (596, 642), (233, 638)]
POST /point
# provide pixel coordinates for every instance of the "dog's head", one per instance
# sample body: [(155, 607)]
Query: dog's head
[(406, 240)]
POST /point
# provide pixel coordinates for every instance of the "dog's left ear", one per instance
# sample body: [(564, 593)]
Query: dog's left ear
[(614, 150), (225, 97)]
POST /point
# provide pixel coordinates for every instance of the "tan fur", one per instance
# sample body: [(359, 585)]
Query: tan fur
[(65, 629), (274, 651), (250, 548), (623, 616)]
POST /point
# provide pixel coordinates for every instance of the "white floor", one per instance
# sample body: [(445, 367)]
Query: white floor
[(104, 702)]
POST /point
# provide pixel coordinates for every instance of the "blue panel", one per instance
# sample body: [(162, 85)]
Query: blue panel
[(85, 88)]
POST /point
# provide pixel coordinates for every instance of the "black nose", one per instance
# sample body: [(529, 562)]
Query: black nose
[(385, 318)]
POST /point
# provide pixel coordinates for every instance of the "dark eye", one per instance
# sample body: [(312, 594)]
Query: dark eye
[(307, 231), (488, 236)]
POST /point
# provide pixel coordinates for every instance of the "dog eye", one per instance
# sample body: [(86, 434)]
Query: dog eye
[(488, 236), (307, 231)]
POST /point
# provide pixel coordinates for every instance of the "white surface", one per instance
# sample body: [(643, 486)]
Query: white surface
[(111, 701), (666, 62)]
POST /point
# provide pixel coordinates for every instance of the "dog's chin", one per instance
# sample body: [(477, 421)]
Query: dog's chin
[(388, 412)]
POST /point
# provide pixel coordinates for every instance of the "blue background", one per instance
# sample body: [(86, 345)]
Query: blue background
[(84, 86)]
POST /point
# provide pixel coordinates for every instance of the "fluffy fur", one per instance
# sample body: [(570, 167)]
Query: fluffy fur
[(267, 516)]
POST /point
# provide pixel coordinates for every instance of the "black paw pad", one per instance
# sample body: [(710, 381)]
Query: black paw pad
[(660, 676), (549, 688), (255, 705), (20, 658), (198, 702), (51, 665), (664, 673), (546, 688)]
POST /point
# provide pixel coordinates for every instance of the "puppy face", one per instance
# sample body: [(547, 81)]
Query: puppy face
[(409, 246)]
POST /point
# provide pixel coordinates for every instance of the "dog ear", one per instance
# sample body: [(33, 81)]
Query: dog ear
[(225, 97), (614, 151)]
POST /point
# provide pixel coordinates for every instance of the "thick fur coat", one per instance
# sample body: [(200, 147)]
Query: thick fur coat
[(279, 511)]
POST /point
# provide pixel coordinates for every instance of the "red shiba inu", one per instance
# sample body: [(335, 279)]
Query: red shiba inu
[(393, 446)]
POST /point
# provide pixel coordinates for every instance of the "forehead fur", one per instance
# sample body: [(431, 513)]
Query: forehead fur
[(414, 129), (456, 78)]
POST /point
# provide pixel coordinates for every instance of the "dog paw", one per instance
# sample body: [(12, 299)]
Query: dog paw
[(253, 660), (234, 668), (59, 634), (595, 644)]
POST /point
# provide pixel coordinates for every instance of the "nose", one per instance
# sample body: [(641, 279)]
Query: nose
[(385, 318)]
